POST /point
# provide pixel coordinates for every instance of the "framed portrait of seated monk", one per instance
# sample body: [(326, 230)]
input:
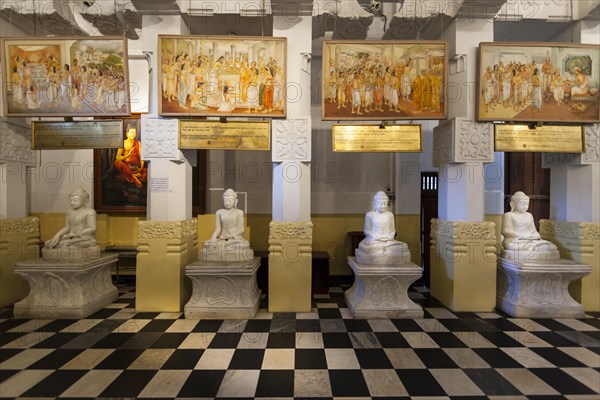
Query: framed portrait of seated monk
[(121, 175)]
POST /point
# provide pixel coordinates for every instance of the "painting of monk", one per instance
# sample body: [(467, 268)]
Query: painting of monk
[(379, 80), (539, 82), (65, 76), (222, 76)]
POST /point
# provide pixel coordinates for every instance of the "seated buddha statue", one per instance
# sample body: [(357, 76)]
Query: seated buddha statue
[(226, 242), (522, 242), (379, 246)]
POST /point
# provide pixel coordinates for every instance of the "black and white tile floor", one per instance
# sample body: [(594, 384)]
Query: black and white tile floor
[(120, 353)]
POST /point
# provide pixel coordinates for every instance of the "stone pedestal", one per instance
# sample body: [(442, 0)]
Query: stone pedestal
[(539, 289), (164, 249), (66, 290), (381, 291), (222, 290)]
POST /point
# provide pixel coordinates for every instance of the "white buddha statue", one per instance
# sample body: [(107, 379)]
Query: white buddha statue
[(522, 242), (379, 246), (226, 242), (77, 240)]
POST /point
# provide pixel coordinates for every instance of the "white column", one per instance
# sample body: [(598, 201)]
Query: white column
[(291, 171), (169, 172), (15, 157)]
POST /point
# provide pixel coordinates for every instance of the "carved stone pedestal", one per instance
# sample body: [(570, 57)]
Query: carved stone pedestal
[(539, 289), (223, 290), (66, 290), (381, 291)]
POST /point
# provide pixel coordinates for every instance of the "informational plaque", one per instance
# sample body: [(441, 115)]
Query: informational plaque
[(541, 139), (231, 135), (51, 135), (377, 138)]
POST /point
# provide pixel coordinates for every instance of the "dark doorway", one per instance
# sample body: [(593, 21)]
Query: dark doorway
[(524, 172), (429, 210)]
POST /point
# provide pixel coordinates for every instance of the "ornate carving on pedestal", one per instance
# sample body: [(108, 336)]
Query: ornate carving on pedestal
[(291, 140), (160, 138), (283, 230), (571, 230), (442, 143), (474, 141), (15, 144), (167, 229), (29, 226)]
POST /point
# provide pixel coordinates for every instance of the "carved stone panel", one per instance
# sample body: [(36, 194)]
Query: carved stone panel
[(291, 140), (442, 143), (160, 138), (167, 229), (473, 141), (592, 144), (15, 144)]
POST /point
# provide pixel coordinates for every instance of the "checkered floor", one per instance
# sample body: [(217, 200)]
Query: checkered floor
[(118, 353)]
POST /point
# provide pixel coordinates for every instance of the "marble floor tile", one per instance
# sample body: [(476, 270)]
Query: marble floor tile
[(326, 305), (364, 340), (88, 359), (474, 340), (439, 312), (582, 355), (92, 384), (466, 358), (332, 325), (182, 326), (382, 325), (527, 339), (527, 382), (404, 359), (83, 325), (431, 325), (309, 340), (577, 325), (132, 326), (313, 314), (341, 359), (233, 326), (384, 383), (197, 340), (346, 314), (28, 340), (311, 383), (169, 315), (580, 338), (22, 381), (253, 340), (239, 383), (166, 383), (30, 326), (528, 324), (215, 359), (488, 315), (419, 340), (279, 359), (455, 382), (152, 359), (24, 359), (588, 376), (527, 357)]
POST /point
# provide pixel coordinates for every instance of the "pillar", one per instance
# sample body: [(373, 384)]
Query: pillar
[(574, 224), (168, 240), (463, 260), (19, 234), (290, 233)]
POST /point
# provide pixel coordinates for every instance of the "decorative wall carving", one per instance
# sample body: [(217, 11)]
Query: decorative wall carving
[(167, 229), (571, 230), (442, 143), (592, 143), (291, 140), (459, 230), (551, 159), (284, 230), (474, 141), (15, 144), (160, 138), (29, 226)]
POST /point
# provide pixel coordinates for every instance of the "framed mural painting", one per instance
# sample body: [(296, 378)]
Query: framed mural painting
[(222, 76), (65, 76), (538, 82), (121, 176), (382, 80)]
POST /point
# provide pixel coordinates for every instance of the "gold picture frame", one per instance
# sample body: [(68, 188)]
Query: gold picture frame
[(384, 80), (65, 76), (222, 76)]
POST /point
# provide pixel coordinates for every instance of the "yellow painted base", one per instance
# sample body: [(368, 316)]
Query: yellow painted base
[(463, 265), (164, 249), (19, 239), (580, 242), (290, 263)]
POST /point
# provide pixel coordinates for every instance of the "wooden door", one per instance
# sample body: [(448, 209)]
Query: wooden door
[(524, 172)]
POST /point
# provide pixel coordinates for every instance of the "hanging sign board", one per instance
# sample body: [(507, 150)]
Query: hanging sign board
[(377, 138), (231, 135), (542, 139), (52, 135)]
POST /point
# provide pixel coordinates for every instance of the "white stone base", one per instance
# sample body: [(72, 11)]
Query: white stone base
[(381, 291), (66, 290), (539, 289), (223, 290)]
